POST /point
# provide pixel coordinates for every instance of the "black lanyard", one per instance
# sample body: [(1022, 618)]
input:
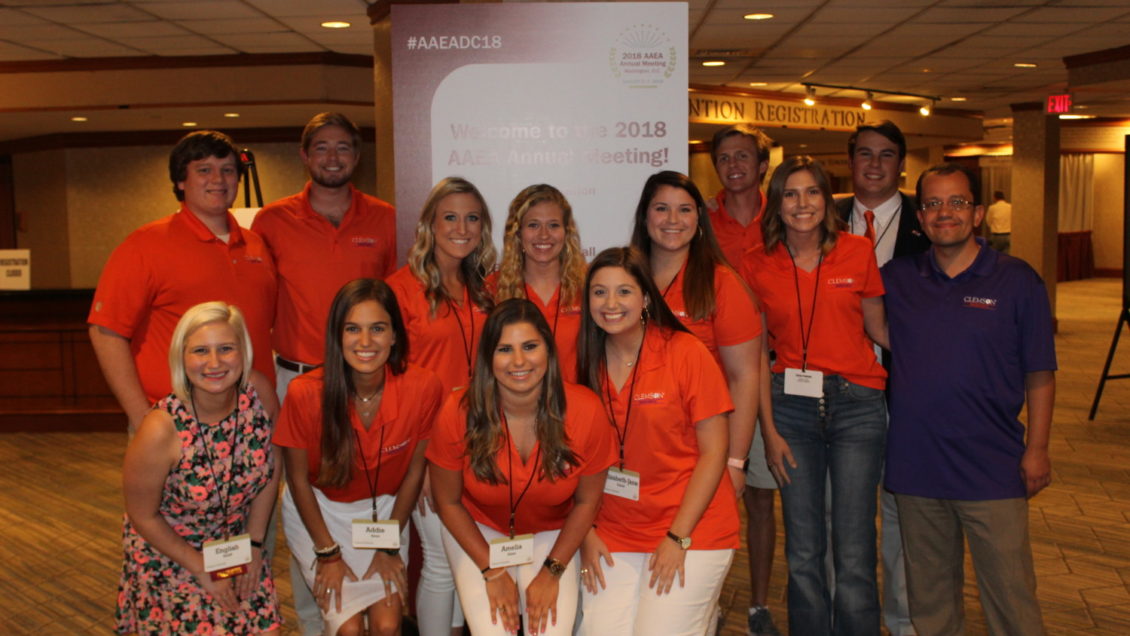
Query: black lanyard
[(806, 335), (365, 464), (510, 477), (622, 437), (468, 347), (222, 494)]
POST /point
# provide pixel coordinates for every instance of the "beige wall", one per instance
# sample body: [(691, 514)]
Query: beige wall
[(1107, 235), (78, 204)]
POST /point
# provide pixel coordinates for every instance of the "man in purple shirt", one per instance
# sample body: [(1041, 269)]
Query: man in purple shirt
[(972, 342)]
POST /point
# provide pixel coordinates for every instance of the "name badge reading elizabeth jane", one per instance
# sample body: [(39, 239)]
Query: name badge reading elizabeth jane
[(622, 483), (506, 551), (804, 383), (224, 559), (383, 534)]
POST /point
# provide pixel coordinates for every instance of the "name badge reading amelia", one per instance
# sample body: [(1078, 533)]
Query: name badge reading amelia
[(622, 483), (505, 552), (376, 534), (804, 383), (224, 559)]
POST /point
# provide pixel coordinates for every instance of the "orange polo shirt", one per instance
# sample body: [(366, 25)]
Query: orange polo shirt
[(165, 268), (403, 420), (546, 503), (445, 343), (837, 341), (735, 320), (733, 237), (314, 259), (678, 384), (564, 321)]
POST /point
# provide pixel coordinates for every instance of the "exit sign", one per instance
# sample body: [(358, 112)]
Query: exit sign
[(1059, 104)]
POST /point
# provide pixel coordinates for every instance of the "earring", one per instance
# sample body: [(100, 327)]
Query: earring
[(700, 232)]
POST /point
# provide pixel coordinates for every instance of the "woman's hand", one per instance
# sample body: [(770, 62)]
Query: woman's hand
[(592, 551), (667, 559), (541, 601), (777, 455), (391, 570), (328, 580), (502, 592), (248, 582), (222, 591)]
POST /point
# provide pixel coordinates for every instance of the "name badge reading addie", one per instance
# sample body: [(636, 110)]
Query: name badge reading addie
[(804, 383), (223, 559), (505, 552), (622, 483), (376, 534)]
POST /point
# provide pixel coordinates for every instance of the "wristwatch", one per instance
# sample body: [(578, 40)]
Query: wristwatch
[(555, 567), (684, 542)]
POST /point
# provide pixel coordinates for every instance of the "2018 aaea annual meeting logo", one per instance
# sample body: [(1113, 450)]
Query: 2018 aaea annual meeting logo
[(643, 57)]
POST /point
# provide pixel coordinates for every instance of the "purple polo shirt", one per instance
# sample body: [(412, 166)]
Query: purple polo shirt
[(961, 348)]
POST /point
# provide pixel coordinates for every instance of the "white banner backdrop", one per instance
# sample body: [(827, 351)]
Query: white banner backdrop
[(588, 97)]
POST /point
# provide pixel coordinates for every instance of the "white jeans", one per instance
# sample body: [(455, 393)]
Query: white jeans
[(437, 609), (473, 591), (628, 606)]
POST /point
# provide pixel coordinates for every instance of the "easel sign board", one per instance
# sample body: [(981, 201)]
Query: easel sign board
[(15, 270), (588, 97)]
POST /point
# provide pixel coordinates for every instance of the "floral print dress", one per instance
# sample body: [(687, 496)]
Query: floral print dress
[(224, 464)]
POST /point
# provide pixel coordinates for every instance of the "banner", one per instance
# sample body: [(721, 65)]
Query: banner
[(590, 98)]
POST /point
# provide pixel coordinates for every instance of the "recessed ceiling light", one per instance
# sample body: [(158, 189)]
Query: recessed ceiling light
[(695, 141), (926, 70), (336, 24), (1024, 65), (758, 16), (188, 124), (958, 99), (231, 115), (804, 145), (79, 118), (759, 83), (714, 63)]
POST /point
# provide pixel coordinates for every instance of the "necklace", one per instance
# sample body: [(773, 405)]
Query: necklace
[(366, 400)]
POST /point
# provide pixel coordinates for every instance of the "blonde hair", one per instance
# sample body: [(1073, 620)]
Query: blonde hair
[(511, 279), (195, 318), (473, 269)]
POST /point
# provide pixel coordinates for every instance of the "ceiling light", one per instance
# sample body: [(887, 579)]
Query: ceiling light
[(694, 141), (188, 124), (925, 109), (336, 24), (78, 118), (866, 105), (1024, 65), (714, 63), (810, 96), (958, 99), (231, 115), (759, 83), (759, 16), (1076, 116)]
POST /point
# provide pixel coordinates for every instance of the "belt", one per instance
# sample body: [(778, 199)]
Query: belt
[(296, 367)]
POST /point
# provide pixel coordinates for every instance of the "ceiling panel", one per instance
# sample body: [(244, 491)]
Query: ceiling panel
[(237, 26), (88, 14), (39, 32), (851, 14), (1069, 15), (210, 9), (326, 9), (123, 30)]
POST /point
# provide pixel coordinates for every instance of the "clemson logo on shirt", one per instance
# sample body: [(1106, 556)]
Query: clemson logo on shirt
[(393, 449), (251, 258), (841, 282), (977, 302), (364, 241), (651, 397), (571, 311)]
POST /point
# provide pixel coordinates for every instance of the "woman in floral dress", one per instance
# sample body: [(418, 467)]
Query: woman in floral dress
[(200, 469)]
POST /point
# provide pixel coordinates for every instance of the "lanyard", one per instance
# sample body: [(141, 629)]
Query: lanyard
[(806, 335), (622, 437), (468, 347), (365, 464), (221, 494), (510, 477)]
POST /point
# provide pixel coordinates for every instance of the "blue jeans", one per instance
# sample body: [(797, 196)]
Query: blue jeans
[(840, 437)]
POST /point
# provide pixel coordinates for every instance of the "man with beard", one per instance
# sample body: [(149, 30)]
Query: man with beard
[(321, 238)]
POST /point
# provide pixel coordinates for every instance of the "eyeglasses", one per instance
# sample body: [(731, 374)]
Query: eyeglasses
[(957, 205)]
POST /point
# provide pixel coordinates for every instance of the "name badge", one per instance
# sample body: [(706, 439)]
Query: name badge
[(505, 552), (376, 534), (224, 559), (804, 383), (622, 483)]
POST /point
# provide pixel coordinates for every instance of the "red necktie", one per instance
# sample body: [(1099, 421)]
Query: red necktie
[(869, 233)]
